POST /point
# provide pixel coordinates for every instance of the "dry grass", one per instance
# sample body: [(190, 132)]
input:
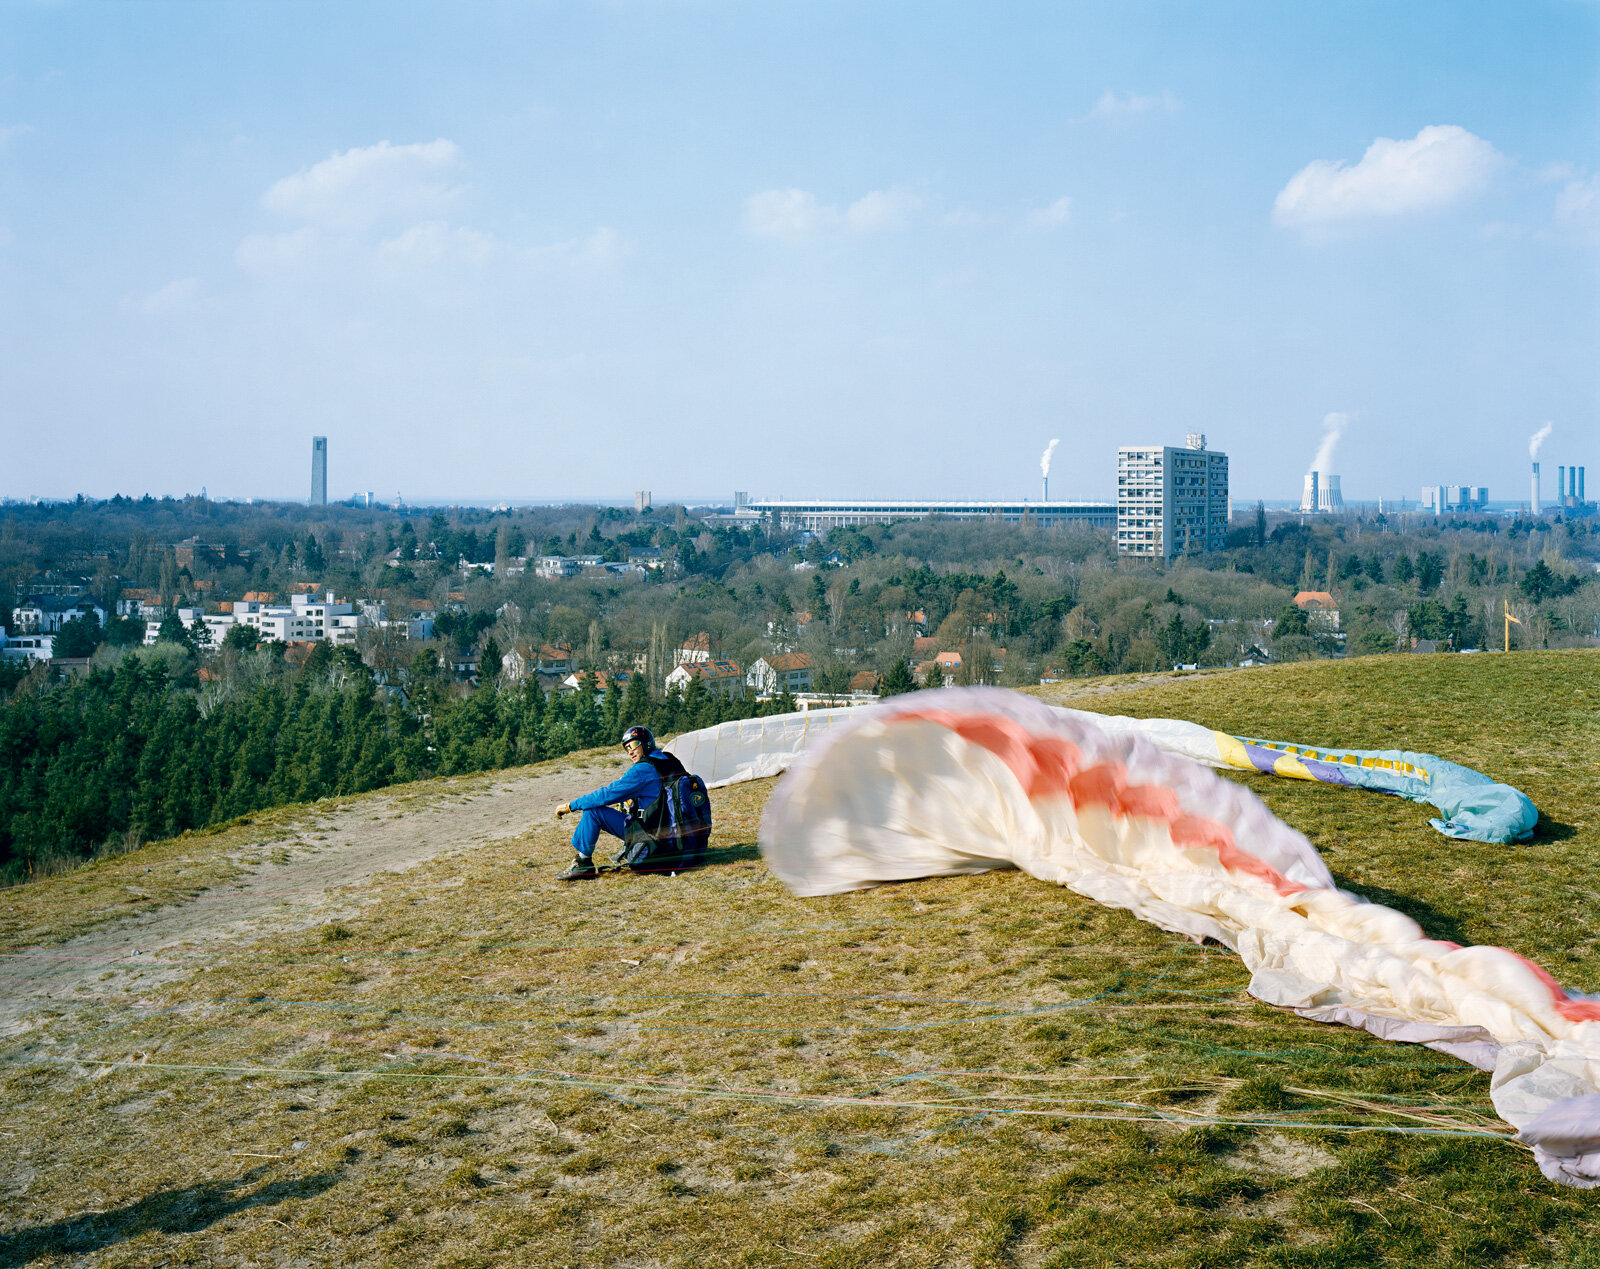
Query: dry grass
[(483, 1066)]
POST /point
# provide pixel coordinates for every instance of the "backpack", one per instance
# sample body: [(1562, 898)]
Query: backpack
[(670, 832)]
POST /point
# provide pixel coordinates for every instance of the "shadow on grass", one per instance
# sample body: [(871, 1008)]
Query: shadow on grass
[(1436, 925), (739, 853), (744, 852), (1548, 830), (173, 1212)]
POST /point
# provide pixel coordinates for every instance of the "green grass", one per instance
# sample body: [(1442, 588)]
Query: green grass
[(484, 1067)]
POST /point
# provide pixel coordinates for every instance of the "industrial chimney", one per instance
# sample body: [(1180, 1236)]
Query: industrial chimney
[(1534, 506)]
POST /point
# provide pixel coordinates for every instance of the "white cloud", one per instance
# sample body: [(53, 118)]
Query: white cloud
[(1578, 208), (794, 215), (174, 297), (434, 241), (592, 253), (1114, 105), (882, 209), (1057, 213), (377, 182), (1441, 165), (789, 215), (10, 132)]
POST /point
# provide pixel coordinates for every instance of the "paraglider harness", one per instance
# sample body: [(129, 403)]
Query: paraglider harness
[(668, 833)]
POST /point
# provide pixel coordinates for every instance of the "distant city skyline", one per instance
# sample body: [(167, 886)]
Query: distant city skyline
[(496, 251)]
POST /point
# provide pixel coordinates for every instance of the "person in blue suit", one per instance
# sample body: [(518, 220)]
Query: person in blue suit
[(600, 811)]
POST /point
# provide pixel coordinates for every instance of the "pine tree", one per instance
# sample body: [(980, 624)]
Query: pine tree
[(489, 663), (898, 679)]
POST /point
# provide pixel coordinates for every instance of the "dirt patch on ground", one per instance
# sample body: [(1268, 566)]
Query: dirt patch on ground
[(1277, 1155), (303, 877), (292, 888)]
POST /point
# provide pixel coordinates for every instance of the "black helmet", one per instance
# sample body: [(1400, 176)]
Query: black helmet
[(642, 735)]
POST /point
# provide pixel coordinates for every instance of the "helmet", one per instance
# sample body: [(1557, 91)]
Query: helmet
[(642, 735)]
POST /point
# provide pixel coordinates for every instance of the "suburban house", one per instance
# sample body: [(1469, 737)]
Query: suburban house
[(718, 678), (693, 649), (516, 664), (131, 600), (32, 647), (781, 672), (1320, 608), (46, 614), (555, 658), (601, 679), (865, 683)]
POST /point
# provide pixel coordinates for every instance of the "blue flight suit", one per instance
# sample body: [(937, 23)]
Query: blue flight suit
[(639, 783)]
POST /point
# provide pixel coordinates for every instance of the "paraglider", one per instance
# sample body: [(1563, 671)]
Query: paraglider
[(969, 779)]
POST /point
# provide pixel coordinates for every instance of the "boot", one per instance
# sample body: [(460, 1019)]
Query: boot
[(580, 869)]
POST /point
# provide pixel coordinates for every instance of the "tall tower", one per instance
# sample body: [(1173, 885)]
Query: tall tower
[(319, 471), (1308, 497), (1171, 501)]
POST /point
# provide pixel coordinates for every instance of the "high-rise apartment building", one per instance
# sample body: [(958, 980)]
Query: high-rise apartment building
[(1171, 501), (319, 471)]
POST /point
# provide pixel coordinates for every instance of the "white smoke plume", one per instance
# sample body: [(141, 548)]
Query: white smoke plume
[(1044, 460), (1538, 439), (1333, 426)]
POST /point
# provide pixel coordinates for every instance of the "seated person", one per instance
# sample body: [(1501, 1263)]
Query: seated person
[(638, 786)]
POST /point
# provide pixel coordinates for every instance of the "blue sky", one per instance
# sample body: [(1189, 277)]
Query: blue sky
[(536, 251)]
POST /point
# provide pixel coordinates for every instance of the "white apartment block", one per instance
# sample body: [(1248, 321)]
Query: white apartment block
[(1171, 501), (306, 618), (29, 647)]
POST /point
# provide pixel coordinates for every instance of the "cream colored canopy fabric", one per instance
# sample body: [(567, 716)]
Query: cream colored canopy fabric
[(969, 779)]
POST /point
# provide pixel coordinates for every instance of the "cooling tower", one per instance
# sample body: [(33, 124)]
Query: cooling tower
[(1328, 496), (1308, 499)]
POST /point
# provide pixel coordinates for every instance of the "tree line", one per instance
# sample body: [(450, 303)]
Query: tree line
[(145, 749)]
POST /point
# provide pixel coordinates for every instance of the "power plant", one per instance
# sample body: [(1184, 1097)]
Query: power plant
[(1570, 492), (1441, 498), (1569, 484), (1321, 493)]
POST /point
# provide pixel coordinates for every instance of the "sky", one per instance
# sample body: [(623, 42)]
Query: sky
[(548, 251)]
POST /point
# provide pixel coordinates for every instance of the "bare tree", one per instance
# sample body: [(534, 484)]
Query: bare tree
[(836, 604), (1399, 621), (658, 661)]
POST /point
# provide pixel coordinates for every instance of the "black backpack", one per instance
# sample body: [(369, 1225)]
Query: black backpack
[(670, 832)]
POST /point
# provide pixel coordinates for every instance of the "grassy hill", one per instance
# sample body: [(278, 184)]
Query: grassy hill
[(473, 1065)]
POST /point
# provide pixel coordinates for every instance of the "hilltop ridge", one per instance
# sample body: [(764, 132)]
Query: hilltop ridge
[(406, 1042)]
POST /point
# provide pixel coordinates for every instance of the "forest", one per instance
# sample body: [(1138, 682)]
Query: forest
[(178, 735)]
